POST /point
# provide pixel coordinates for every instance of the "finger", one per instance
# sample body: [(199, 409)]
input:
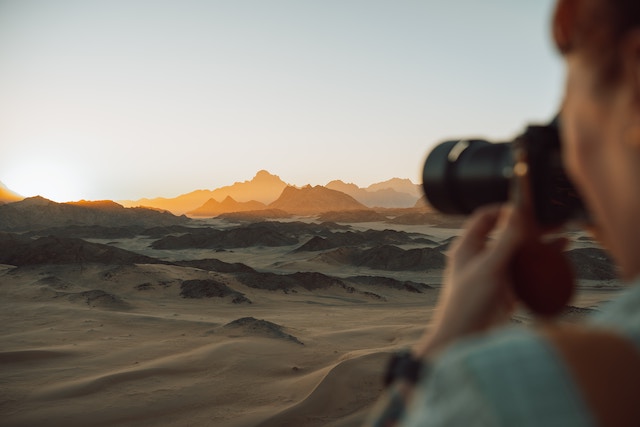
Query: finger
[(512, 235), (478, 227)]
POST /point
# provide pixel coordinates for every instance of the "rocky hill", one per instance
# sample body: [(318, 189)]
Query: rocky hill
[(37, 212), (386, 257), (240, 237), (422, 203), (398, 184), (264, 188), (20, 251), (213, 208), (314, 200), (380, 196)]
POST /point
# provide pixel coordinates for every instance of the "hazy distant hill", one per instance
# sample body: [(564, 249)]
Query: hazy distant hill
[(213, 208), (384, 197), (8, 196), (314, 200), (399, 185), (264, 187), (37, 212), (423, 203)]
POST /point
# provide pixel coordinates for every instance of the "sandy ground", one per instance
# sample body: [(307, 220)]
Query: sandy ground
[(136, 353)]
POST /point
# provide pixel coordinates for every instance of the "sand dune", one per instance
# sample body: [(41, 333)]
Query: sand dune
[(152, 367), (143, 336), (347, 388)]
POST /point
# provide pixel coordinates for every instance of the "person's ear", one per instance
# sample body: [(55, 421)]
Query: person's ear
[(630, 61), (563, 24)]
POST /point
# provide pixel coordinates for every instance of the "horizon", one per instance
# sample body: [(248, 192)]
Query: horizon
[(152, 197), (128, 100)]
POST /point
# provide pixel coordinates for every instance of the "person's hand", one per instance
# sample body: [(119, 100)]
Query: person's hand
[(477, 292)]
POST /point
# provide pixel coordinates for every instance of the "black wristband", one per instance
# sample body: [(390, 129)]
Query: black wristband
[(403, 366)]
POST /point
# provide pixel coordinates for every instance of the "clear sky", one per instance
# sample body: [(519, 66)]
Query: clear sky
[(123, 99)]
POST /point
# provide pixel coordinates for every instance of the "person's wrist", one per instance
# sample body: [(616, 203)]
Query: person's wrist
[(428, 347), (433, 342)]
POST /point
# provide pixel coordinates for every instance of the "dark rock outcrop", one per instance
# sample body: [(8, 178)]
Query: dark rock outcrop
[(353, 216), (240, 237), (387, 257), (285, 282), (96, 298), (332, 240), (212, 264), (402, 285), (592, 264), (37, 213), (210, 289), (260, 328), (20, 251)]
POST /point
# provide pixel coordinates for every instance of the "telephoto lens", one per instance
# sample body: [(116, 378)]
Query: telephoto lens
[(460, 176)]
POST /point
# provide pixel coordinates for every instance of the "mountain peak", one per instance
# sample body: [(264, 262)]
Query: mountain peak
[(262, 175), (229, 199), (37, 201), (313, 200)]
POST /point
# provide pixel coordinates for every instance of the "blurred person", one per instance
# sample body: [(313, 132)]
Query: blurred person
[(469, 369)]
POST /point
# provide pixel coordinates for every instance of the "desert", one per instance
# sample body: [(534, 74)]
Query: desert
[(135, 316)]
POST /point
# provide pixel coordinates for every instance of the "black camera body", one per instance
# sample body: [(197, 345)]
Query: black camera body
[(460, 176)]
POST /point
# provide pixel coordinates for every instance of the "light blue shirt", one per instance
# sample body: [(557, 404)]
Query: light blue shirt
[(512, 377)]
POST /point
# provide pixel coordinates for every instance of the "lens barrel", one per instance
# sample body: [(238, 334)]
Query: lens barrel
[(460, 176)]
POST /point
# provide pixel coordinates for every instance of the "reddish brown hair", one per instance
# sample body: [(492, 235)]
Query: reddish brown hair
[(599, 29)]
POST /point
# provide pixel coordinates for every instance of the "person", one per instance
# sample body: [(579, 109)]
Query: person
[(470, 369)]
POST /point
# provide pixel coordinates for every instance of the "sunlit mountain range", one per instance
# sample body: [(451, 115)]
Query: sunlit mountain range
[(266, 190), (265, 194)]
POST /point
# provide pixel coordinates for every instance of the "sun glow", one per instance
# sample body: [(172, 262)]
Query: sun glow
[(49, 177)]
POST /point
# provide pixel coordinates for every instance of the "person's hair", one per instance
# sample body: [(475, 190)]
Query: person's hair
[(600, 28)]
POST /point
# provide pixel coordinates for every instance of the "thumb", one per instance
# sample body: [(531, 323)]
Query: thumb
[(511, 235)]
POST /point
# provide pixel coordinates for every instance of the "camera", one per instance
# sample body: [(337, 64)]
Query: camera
[(460, 176)]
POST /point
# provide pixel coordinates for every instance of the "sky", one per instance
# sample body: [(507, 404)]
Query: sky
[(124, 99)]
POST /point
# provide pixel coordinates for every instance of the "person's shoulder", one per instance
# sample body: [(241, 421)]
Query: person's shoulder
[(622, 312), (518, 374), (487, 351)]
